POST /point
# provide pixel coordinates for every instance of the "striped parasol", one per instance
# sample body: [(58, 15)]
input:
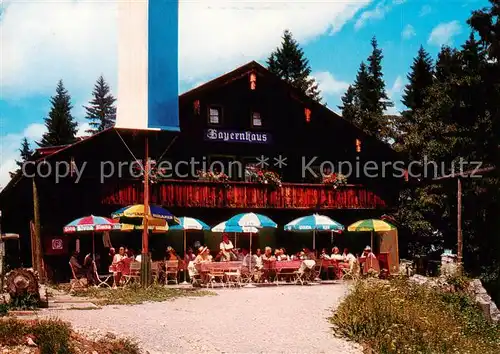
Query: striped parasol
[(132, 213), (91, 224), (314, 223), (372, 225)]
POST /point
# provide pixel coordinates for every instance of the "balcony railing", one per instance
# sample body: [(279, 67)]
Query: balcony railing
[(198, 194)]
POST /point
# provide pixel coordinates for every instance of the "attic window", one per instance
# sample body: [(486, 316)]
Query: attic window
[(214, 115), (358, 145), (196, 107), (256, 120), (307, 113), (253, 81)]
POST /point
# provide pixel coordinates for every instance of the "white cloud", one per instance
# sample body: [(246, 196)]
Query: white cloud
[(397, 86), (328, 84), (77, 40), (443, 33), (82, 128), (9, 149), (408, 32), (377, 13), (394, 94), (425, 10)]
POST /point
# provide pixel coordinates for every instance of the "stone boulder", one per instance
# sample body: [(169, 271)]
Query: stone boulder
[(475, 290)]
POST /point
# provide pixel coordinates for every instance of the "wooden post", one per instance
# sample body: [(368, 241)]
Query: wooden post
[(145, 259), (459, 222), (36, 248)]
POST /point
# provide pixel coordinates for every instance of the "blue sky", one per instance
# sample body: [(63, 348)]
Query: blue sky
[(79, 43)]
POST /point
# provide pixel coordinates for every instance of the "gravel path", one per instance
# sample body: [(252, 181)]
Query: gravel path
[(289, 319)]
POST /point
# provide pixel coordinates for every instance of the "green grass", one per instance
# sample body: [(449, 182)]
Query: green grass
[(137, 295), (57, 337), (403, 317)]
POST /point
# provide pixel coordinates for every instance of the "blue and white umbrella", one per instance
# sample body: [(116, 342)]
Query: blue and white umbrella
[(314, 223), (223, 227), (187, 223), (251, 220)]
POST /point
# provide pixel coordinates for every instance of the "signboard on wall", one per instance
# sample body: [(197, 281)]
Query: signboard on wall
[(148, 82), (56, 246), (234, 136)]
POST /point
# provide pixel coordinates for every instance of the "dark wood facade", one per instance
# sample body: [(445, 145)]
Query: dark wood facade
[(296, 128)]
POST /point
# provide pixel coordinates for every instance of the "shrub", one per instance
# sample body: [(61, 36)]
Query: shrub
[(403, 317)]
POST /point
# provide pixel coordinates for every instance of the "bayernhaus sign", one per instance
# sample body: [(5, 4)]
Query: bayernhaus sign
[(233, 136)]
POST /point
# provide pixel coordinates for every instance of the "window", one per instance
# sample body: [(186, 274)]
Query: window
[(358, 145), (256, 120), (214, 115), (196, 107), (307, 113), (253, 81)]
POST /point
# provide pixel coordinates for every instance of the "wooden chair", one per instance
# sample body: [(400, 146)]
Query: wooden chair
[(172, 269), (232, 277), (133, 273), (103, 279), (78, 283)]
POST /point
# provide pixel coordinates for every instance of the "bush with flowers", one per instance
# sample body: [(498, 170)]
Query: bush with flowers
[(211, 176), (335, 180), (255, 174), (155, 174)]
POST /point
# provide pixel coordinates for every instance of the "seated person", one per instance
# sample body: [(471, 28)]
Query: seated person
[(203, 255), (284, 255), (189, 256), (268, 255), (172, 255), (248, 262), (348, 257), (239, 255), (226, 246), (323, 254), (369, 260), (118, 264), (258, 259), (86, 271), (336, 255)]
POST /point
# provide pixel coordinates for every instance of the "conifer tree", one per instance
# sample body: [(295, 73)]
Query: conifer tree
[(350, 106), (289, 63), (61, 127), (101, 111), (420, 79), (25, 153), (379, 100)]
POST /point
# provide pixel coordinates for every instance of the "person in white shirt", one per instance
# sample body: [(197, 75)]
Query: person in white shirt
[(227, 249), (248, 262), (257, 258), (336, 255), (138, 258)]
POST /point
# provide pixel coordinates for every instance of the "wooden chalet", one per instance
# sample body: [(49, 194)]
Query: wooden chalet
[(242, 115)]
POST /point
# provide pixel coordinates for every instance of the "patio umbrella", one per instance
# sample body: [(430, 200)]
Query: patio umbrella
[(223, 227), (372, 225), (187, 223), (315, 223), (91, 224), (133, 213), (256, 221)]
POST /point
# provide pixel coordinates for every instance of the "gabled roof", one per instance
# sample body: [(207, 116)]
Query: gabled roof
[(253, 66)]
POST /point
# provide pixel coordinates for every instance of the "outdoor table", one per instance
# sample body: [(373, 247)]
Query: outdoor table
[(219, 266), (287, 268)]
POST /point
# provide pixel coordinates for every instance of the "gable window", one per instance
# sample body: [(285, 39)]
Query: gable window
[(358, 145), (214, 115), (196, 107), (253, 81), (256, 119), (307, 113)]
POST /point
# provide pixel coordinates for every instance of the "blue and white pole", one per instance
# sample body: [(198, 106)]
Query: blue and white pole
[(148, 65)]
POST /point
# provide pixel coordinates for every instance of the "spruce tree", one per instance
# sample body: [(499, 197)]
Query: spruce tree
[(420, 78), (25, 153), (101, 111), (61, 127), (350, 106), (289, 63), (378, 96)]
